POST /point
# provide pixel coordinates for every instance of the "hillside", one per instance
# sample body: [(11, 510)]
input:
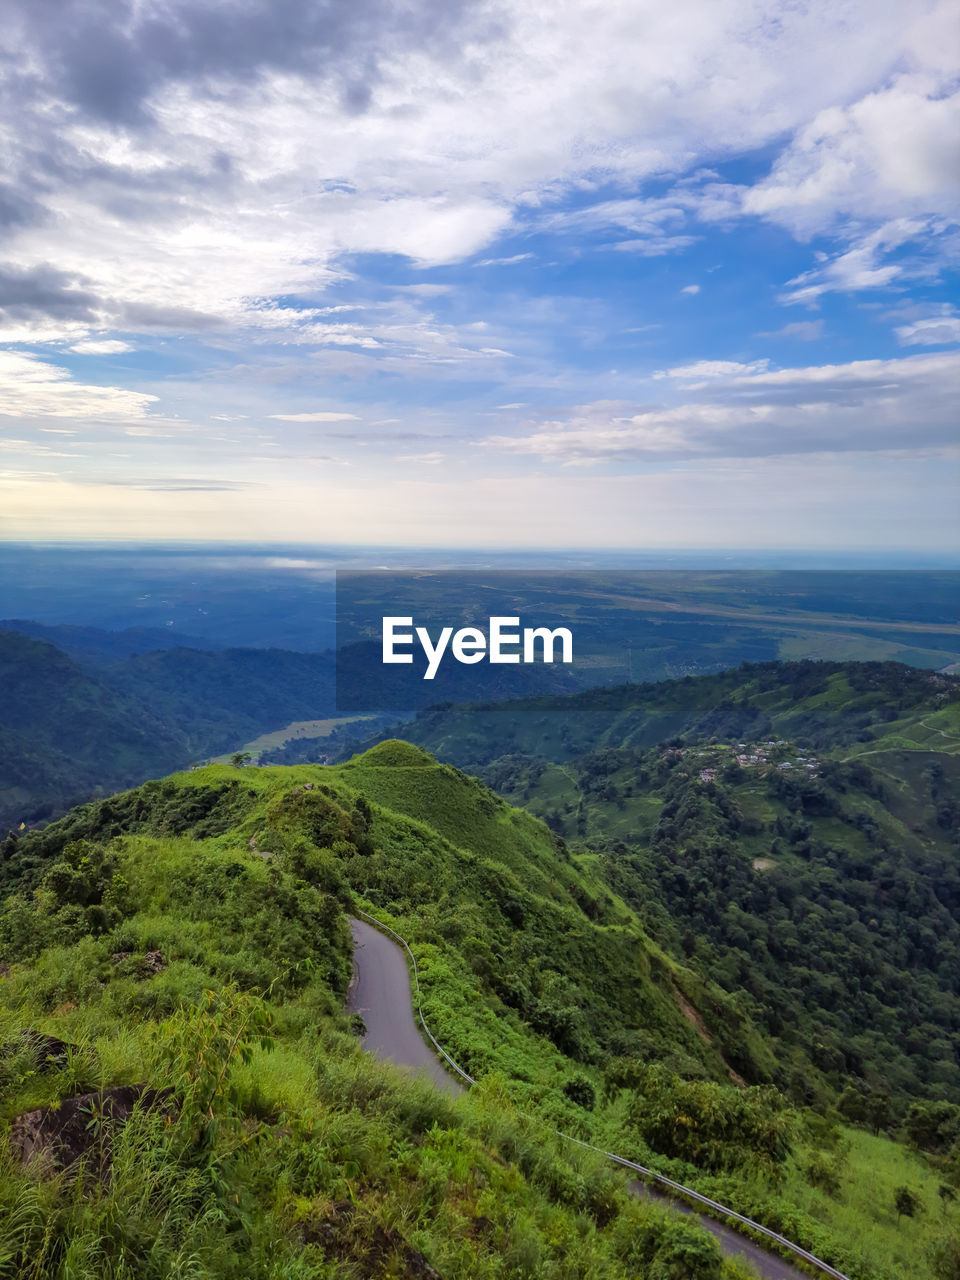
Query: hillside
[(828, 704), (222, 699), (64, 734), (791, 831), (191, 934), (71, 729), (538, 975), (94, 645), (449, 853)]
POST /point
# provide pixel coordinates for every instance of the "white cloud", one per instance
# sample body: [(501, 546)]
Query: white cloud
[(712, 369), (256, 186), (942, 328), (657, 248), (690, 289), (892, 153), (504, 262), (865, 406), (314, 417), (31, 388), (802, 330), (101, 347), (422, 459), (860, 267)]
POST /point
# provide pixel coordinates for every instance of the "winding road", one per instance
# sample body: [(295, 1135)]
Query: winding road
[(380, 992)]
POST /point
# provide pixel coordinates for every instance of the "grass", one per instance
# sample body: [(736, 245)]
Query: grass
[(862, 1213), (313, 1160), (535, 974)]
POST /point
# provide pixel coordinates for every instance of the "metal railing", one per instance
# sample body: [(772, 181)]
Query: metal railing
[(674, 1188)]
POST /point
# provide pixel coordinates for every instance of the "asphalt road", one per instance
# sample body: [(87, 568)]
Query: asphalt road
[(380, 993)]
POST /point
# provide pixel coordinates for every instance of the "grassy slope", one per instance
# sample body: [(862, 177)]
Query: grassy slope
[(310, 1160), (523, 949)]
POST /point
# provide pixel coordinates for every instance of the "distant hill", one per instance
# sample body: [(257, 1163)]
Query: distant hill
[(219, 700), (69, 731), (831, 704), (65, 735), (93, 644)]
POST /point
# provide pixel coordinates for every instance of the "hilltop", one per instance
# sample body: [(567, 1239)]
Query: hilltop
[(542, 977), (191, 934)]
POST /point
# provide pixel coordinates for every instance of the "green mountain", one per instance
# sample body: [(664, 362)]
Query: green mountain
[(541, 977), (70, 730), (828, 704), (64, 734), (791, 831)]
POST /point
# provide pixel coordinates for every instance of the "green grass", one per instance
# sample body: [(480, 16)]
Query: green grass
[(537, 974), (312, 1160), (862, 1212)]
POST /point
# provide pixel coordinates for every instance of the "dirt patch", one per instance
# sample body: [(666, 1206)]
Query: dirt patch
[(338, 1234), (695, 1020), (59, 1136), (255, 848)]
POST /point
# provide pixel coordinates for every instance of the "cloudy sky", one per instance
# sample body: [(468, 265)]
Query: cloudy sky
[(599, 273)]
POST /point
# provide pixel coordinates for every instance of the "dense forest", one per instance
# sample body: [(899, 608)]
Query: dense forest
[(795, 838), (77, 726)]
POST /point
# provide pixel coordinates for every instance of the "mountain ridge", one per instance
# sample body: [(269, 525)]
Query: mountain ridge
[(534, 970)]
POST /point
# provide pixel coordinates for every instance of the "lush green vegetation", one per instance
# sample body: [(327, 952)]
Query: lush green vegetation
[(793, 835), (73, 730), (216, 972), (563, 990)]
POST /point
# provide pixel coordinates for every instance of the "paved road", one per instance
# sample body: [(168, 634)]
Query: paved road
[(380, 993), (734, 1245)]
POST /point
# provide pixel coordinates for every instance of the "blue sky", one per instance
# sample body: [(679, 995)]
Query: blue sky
[(481, 274)]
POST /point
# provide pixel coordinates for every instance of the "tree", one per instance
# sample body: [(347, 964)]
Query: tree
[(686, 1252), (240, 758), (878, 1111), (906, 1202), (932, 1126), (947, 1195), (580, 1091)]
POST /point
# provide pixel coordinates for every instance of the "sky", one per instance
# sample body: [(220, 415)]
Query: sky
[(450, 273)]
